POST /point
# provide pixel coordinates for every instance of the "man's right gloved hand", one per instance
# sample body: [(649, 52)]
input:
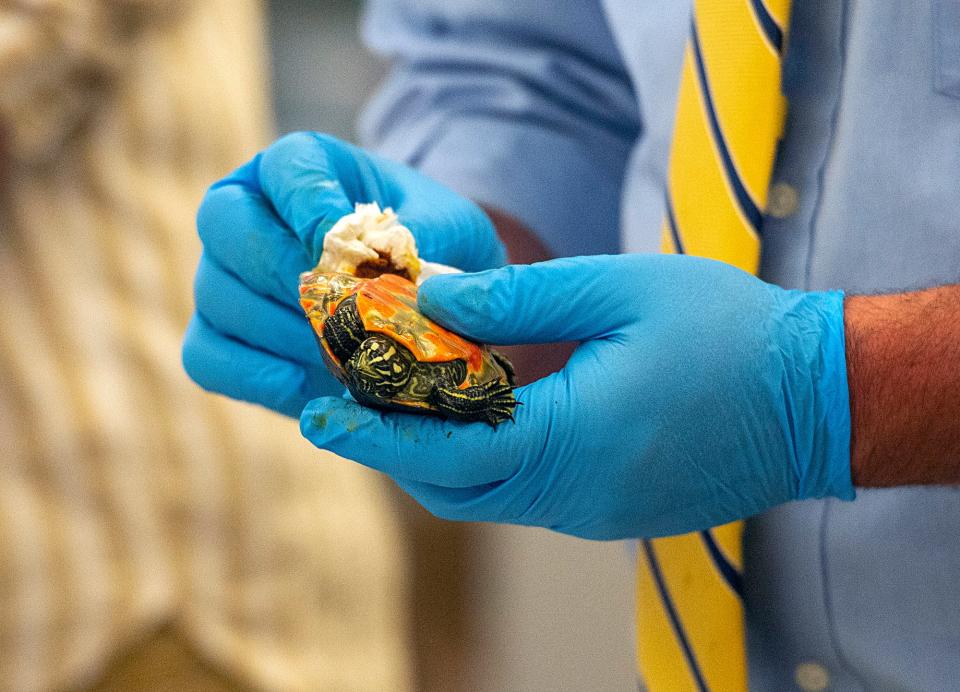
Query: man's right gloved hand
[(264, 224)]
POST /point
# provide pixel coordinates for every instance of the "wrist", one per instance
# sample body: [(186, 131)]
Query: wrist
[(863, 358), (903, 384)]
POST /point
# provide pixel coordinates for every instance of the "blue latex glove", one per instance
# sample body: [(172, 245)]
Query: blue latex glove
[(699, 395), (264, 224)]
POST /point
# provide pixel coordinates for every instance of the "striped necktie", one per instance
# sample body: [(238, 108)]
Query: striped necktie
[(729, 118)]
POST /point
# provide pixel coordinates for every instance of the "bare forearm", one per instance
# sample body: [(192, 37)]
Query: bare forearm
[(903, 367)]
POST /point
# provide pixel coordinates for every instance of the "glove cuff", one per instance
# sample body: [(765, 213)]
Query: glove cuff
[(828, 473)]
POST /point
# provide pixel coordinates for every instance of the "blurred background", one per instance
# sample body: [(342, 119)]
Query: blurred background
[(156, 537), (540, 611)]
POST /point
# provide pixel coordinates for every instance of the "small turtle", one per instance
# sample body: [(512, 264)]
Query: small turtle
[(389, 355)]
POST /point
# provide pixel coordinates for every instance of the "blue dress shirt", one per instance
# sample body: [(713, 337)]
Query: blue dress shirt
[(561, 114)]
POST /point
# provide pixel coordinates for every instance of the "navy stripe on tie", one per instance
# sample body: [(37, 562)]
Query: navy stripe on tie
[(672, 224), (674, 618), (744, 200), (729, 573), (771, 30)]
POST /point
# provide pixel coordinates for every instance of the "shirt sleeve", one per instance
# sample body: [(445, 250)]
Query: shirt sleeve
[(518, 104)]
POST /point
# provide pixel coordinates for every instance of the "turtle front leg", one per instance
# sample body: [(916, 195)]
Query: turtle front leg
[(344, 330), (492, 402)]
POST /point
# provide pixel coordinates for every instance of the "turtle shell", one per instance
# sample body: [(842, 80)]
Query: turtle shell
[(387, 305)]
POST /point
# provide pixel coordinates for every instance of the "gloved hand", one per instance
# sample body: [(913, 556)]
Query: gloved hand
[(699, 395), (264, 224)]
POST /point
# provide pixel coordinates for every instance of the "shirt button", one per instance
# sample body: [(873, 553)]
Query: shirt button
[(782, 200), (811, 677)]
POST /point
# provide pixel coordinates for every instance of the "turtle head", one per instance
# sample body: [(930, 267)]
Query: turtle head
[(381, 366)]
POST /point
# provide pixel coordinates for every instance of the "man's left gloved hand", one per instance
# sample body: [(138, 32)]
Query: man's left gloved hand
[(699, 395), (265, 223)]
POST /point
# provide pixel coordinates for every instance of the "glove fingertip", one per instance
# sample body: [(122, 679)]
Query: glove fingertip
[(455, 300)]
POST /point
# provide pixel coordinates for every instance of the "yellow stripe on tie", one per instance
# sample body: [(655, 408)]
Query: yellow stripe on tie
[(750, 114), (730, 114), (700, 653), (667, 244), (664, 661), (700, 192), (779, 10), (729, 539)]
